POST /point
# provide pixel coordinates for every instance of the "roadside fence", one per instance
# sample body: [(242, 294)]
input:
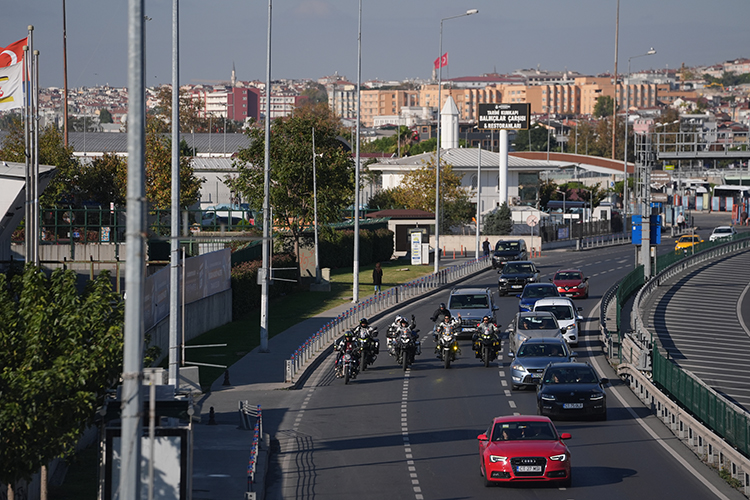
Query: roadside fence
[(373, 305)]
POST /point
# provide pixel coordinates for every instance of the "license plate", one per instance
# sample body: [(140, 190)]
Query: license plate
[(572, 406), (536, 375), (515, 286), (529, 468)]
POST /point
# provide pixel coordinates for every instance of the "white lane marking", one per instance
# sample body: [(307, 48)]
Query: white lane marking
[(648, 429), (405, 433)]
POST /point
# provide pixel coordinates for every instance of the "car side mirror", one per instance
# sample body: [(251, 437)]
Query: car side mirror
[(604, 381), (495, 307), (586, 279), (565, 435), (550, 280), (573, 354), (483, 437), (579, 309), (518, 296), (511, 354)]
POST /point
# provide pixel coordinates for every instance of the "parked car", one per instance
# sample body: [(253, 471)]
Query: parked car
[(572, 390), (515, 275), (523, 448), (533, 292), (472, 304), (509, 250), (227, 215), (532, 358), (571, 283), (722, 232), (527, 325), (686, 241), (566, 313)]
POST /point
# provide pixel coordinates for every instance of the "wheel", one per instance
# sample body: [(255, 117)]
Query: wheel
[(405, 361), (486, 356), (514, 387), (447, 360), (487, 482), (364, 363), (347, 374)]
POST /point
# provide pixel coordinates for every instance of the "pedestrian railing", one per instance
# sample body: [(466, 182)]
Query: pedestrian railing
[(248, 412), (376, 304), (603, 240)]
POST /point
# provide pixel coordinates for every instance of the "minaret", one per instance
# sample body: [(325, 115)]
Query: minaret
[(233, 80), (449, 125)]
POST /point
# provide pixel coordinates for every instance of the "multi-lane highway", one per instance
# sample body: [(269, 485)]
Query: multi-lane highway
[(412, 434)]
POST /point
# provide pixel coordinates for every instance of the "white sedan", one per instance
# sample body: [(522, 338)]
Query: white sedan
[(722, 232)]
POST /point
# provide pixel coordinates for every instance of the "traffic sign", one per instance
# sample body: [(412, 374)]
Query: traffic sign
[(660, 177), (532, 220)]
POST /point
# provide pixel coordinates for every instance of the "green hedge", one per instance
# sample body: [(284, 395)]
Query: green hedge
[(245, 287), (336, 249)]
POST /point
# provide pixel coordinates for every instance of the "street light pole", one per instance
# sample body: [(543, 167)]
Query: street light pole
[(437, 164), (650, 52)]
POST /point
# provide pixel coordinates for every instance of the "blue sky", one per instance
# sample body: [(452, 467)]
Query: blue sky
[(400, 39)]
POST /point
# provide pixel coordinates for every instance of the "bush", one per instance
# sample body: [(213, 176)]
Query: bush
[(245, 287)]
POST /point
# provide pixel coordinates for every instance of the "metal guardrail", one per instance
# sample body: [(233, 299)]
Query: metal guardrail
[(374, 304), (248, 412), (603, 240)]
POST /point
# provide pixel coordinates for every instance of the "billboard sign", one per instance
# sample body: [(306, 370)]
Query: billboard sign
[(504, 116)]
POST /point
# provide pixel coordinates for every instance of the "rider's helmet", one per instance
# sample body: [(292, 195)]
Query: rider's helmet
[(404, 321), (398, 319), (442, 305), (348, 334), (363, 322)]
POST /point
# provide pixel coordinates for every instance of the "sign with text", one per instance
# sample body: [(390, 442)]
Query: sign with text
[(504, 116)]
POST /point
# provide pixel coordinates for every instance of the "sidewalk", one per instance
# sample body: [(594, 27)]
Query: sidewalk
[(221, 452)]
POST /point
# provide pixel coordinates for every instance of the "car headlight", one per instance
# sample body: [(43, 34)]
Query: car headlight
[(497, 458), (597, 397), (518, 367), (532, 279), (559, 458), (570, 327), (548, 397), (522, 338), (502, 280)]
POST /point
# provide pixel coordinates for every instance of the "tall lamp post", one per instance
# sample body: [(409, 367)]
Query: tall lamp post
[(650, 52), (437, 165)]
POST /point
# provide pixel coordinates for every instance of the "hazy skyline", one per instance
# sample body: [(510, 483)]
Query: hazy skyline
[(400, 40)]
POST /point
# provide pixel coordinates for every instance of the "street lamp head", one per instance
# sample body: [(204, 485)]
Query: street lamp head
[(651, 52), (476, 11)]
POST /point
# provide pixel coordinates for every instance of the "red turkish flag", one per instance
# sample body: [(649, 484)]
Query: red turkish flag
[(441, 61), (13, 53)]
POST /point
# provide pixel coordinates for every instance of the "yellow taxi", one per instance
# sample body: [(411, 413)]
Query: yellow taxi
[(687, 241)]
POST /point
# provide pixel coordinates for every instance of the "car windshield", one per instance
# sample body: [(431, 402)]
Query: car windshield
[(469, 301), (566, 276), (529, 350), (538, 323), (518, 268), (560, 312), (504, 246), (570, 375), (520, 431), (538, 292), (722, 230)]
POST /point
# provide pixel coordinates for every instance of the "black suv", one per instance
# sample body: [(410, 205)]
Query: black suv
[(507, 250), (472, 304), (514, 276)]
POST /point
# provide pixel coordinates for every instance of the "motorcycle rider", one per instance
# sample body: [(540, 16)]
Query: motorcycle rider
[(364, 330), (348, 341), (405, 328), (441, 312), (449, 325), (485, 325)]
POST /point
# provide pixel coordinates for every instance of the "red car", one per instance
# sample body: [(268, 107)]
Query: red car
[(521, 448), (571, 283)]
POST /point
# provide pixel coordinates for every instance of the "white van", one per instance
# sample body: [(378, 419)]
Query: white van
[(567, 315)]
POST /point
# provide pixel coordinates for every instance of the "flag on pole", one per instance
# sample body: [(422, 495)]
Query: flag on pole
[(11, 75), (441, 61), (13, 53)]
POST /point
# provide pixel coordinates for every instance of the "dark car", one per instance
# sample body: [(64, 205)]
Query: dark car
[(509, 250), (514, 276), (532, 358), (472, 304), (533, 292), (572, 390)]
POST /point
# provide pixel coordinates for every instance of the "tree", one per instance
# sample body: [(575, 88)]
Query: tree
[(386, 200), (315, 93), (499, 221), (52, 151), (105, 116), (159, 172), (291, 189), (59, 352), (192, 117), (104, 180), (539, 135), (603, 107)]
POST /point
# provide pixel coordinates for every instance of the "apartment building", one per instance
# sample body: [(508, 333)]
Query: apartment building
[(385, 102), (235, 103), (466, 99)]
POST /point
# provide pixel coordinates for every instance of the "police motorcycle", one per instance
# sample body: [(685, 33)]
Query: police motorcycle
[(348, 355), (486, 344)]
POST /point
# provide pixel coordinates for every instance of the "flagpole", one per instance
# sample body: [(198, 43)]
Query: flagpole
[(27, 150), (65, 76), (35, 208)]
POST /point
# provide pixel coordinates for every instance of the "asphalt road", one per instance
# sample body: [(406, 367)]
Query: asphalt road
[(412, 434)]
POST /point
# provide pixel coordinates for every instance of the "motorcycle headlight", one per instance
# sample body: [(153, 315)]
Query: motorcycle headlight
[(559, 458), (548, 397), (497, 458)]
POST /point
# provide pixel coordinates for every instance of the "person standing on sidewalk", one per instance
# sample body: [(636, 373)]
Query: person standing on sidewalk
[(486, 247), (377, 277), (680, 221)]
